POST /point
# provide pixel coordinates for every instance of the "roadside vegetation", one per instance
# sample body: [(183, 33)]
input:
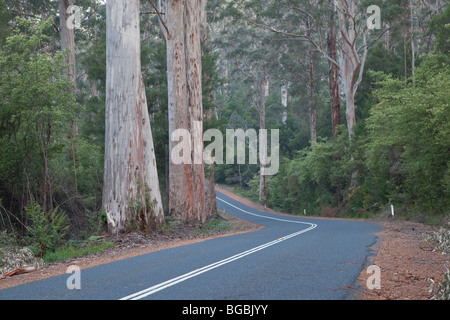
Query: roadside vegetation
[(441, 242), (48, 241)]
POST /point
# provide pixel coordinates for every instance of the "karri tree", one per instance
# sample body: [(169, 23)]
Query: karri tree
[(131, 192)]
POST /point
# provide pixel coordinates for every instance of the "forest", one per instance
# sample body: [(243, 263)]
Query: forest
[(92, 92)]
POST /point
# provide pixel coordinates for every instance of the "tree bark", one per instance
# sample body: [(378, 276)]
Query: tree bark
[(352, 64), (333, 74), (387, 37), (312, 105), (67, 37), (284, 102), (195, 104), (210, 189), (180, 182), (131, 192), (411, 31), (263, 93), (203, 23)]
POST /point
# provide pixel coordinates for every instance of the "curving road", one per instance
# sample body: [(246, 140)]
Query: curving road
[(292, 258)]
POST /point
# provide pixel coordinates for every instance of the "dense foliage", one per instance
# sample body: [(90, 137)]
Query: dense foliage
[(51, 181), (400, 156)]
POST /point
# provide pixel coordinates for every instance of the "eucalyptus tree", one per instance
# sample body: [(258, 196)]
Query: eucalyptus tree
[(181, 25), (251, 56), (333, 73), (352, 39), (131, 192), (67, 36), (297, 57)]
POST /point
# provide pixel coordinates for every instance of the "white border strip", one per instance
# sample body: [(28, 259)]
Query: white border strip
[(149, 291)]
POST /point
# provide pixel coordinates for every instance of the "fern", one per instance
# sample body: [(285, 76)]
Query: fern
[(47, 229)]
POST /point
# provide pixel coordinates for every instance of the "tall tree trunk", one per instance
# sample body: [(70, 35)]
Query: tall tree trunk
[(387, 37), (263, 93), (352, 64), (411, 31), (312, 104), (404, 57), (131, 188), (203, 23), (349, 63), (180, 182), (284, 102), (195, 103), (210, 189), (333, 73), (44, 133), (67, 37)]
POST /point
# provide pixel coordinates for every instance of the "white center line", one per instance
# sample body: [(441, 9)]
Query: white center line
[(149, 291)]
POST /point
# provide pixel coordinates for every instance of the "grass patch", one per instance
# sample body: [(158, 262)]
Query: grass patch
[(77, 250), (245, 193), (215, 224), (171, 225)]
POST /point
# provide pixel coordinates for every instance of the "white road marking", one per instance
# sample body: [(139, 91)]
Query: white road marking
[(149, 291), (261, 216)]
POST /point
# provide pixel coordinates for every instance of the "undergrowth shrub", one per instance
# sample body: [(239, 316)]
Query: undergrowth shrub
[(47, 230), (441, 290), (441, 240)]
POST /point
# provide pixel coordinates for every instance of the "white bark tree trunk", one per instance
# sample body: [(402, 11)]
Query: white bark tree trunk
[(203, 23), (352, 64), (131, 192)]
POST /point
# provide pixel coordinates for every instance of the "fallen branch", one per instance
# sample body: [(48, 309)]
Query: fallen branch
[(17, 271)]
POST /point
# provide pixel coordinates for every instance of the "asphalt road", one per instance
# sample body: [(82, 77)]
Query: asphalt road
[(292, 258)]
